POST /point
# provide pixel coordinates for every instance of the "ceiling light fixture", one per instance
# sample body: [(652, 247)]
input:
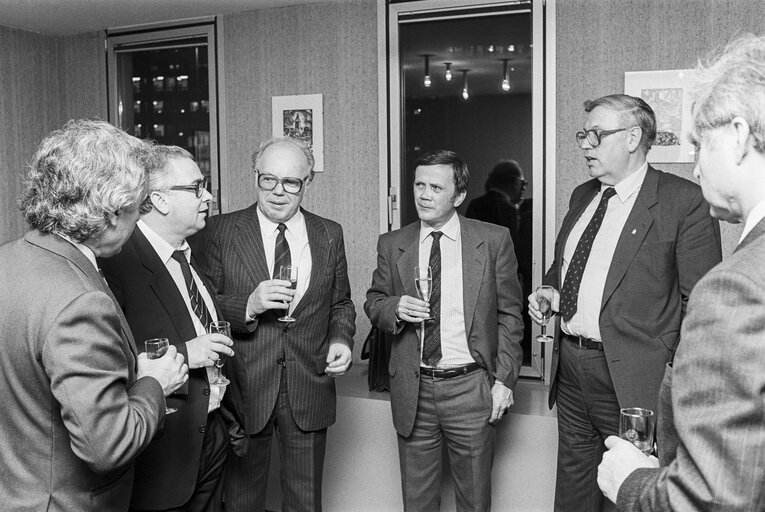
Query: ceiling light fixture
[(465, 92), (448, 74), (505, 76), (426, 81)]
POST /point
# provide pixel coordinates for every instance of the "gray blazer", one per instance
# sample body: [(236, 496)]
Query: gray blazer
[(717, 391), (492, 301), (74, 416)]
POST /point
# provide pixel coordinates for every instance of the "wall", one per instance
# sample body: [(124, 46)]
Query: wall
[(324, 48), (598, 40), (44, 82)]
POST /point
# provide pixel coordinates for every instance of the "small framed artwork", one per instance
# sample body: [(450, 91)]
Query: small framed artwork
[(667, 94), (300, 117)]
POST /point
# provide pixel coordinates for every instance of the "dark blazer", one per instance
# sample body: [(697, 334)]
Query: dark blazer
[(230, 252), (668, 242), (712, 453), (154, 307), (74, 417), (492, 304)]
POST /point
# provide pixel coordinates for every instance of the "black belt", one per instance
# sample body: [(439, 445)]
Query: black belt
[(448, 373), (583, 342)]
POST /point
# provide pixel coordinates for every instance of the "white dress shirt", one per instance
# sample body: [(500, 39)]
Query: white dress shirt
[(165, 253), (454, 347), (296, 235), (585, 321), (754, 218)]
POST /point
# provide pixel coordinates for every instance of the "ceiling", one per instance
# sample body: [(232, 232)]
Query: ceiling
[(66, 17)]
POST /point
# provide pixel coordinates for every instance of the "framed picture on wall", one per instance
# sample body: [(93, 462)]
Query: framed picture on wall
[(300, 117), (667, 94)]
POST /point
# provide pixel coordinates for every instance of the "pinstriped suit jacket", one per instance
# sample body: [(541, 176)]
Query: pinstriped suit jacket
[(230, 253), (492, 306), (717, 389)]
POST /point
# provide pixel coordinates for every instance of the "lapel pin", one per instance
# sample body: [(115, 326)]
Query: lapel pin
[(634, 231)]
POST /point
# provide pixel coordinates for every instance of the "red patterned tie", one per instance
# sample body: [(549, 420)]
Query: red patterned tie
[(569, 294)]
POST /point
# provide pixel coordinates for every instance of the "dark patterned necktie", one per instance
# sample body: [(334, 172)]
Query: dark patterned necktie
[(197, 303), (431, 350), (282, 254), (569, 294)]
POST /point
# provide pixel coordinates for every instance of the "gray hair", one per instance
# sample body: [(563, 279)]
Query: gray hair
[(631, 110), (304, 148), (81, 175), (728, 84)]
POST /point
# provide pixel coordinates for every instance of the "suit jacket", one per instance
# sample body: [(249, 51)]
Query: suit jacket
[(230, 252), (154, 307), (717, 391), (74, 416), (668, 242), (491, 299)]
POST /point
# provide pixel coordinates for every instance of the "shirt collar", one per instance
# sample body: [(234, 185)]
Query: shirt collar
[(450, 230), (754, 218), (629, 185), (295, 225), (163, 249)]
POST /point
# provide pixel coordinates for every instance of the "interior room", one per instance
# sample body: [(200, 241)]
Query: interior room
[(56, 65)]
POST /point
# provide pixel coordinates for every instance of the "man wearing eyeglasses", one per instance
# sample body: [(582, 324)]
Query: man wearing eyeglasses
[(290, 366), (630, 249), (162, 296)]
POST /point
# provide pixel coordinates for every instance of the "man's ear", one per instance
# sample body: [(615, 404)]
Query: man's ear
[(459, 198), (158, 202), (744, 138), (634, 135)]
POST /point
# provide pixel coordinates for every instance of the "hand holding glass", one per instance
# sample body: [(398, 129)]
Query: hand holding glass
[(223, 328), (545, 295), (636, 425), (288, 273), (156, 348), (423, 280)]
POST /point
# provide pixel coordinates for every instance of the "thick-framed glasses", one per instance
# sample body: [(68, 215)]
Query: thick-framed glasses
[(290, 185), (593, 137), (198, 187)]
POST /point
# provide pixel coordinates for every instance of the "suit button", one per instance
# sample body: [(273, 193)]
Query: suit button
[(416, 374), (206, 391), (280, 361), (202, 429), (286, 328)]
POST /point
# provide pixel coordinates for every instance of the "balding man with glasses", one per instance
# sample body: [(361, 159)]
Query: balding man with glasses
[(630, 249), (289, 365)]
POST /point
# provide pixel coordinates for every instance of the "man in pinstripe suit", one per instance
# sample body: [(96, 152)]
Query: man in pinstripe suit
[(711, 426), (289, 366)]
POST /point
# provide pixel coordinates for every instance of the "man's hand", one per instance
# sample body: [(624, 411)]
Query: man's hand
[(339, 359), (169, 370), (501, 400), (534, 312), (271, 294), (411, 309), (204, 350), (621, 459)]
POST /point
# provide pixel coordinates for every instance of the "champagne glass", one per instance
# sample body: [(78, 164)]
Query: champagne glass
[(636, 425), (545, 296), (223, 328), (288, 273), (156, 348), (423, 280)]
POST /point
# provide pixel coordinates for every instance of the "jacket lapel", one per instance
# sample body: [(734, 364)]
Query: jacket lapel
[(756, 232), (319, 244), (473, 268), (634, 232), (248, 244), (410, 257)]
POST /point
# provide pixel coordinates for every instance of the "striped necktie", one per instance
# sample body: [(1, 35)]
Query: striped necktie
[(197, 303), (282, 254), (431, 350)]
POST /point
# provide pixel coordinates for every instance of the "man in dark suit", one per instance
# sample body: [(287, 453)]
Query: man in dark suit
[(289, 366), (631, 247), (182, 468), (504, 204), (79, 403), (451, 377), (711, 432)]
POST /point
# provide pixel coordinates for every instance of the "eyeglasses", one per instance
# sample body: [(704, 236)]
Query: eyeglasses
[(593, 137), (198, 187), (290, 185)]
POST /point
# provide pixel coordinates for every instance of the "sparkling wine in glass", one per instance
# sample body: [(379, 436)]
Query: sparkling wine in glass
[(544, 301), (423, 280), (636, 425), (156, 348), (288, 273), (223, 328)]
